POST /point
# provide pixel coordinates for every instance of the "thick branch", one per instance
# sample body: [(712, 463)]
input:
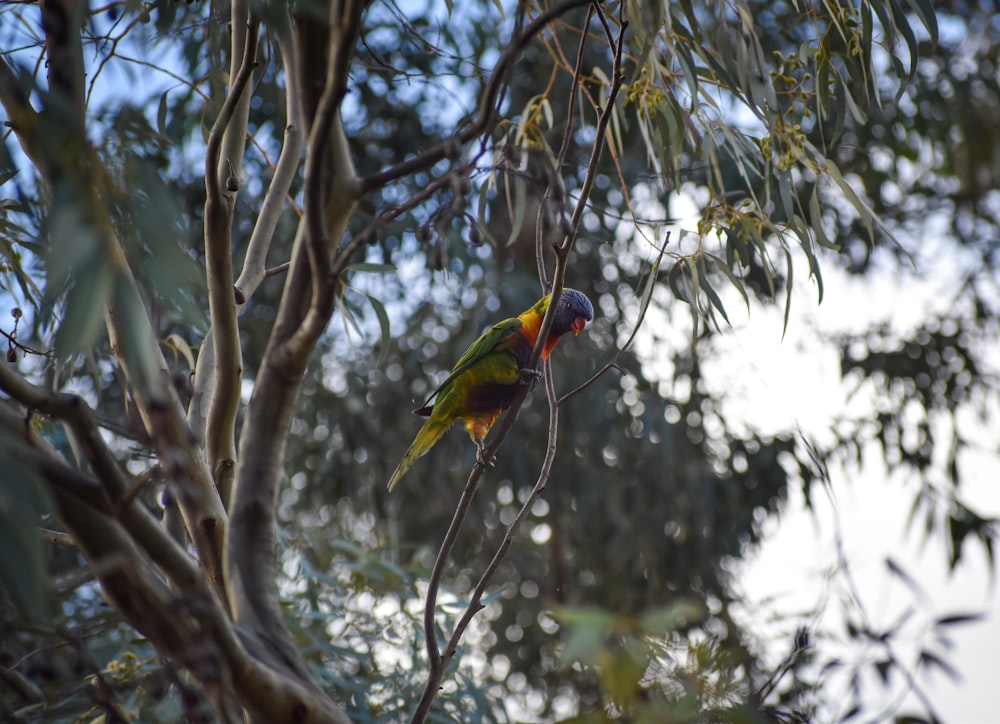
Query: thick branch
[(306, 306), (61, 21), (189, 625), (220, 429), (330, 183), (146, 369), (144, 528), (255, 262)]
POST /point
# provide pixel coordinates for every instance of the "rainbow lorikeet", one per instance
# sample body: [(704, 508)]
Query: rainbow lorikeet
[(485, 380)]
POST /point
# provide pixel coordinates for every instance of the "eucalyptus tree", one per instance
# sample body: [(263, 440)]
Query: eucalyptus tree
[(232, 277)]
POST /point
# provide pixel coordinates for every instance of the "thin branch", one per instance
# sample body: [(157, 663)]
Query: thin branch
[(613, 362), (544, 472), (254, 264), (433, 585), (140, 17), (571, 96), (487, 112), (439, 661), (602, 128), (56, 536), (277, 269)]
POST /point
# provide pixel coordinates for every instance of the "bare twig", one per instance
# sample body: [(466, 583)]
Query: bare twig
[(571, 96), (277, 269), (56, 536), (555, 177)]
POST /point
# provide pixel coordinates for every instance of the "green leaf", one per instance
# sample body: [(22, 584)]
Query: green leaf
[(816, 217), (902, 24), (789, 272), (706, 286), (22, 565), (867, 39), (864, 211), (161, 114), (366, 266), (959, 618), (516, 205), (683, 55), (737, 284), (383, 321), (137, 346), (806, 243), (85, 302), (925, 11)]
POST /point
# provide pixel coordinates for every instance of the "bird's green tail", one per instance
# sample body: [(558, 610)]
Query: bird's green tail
[(428, 436)]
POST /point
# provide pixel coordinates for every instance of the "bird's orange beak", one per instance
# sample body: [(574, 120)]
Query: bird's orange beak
[(578, 325)]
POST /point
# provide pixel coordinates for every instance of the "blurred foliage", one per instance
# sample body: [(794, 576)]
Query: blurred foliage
[(655, 491)]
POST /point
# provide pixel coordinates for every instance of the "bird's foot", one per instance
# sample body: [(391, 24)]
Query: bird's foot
[(482, 459), (528, 376)]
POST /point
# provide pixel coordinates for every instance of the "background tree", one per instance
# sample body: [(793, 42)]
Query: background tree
[(214, 458)]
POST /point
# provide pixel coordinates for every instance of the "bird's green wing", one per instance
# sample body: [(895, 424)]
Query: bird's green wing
[(489, 342)]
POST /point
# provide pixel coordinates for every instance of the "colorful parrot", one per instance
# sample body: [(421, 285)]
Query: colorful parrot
[(485, 380)]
